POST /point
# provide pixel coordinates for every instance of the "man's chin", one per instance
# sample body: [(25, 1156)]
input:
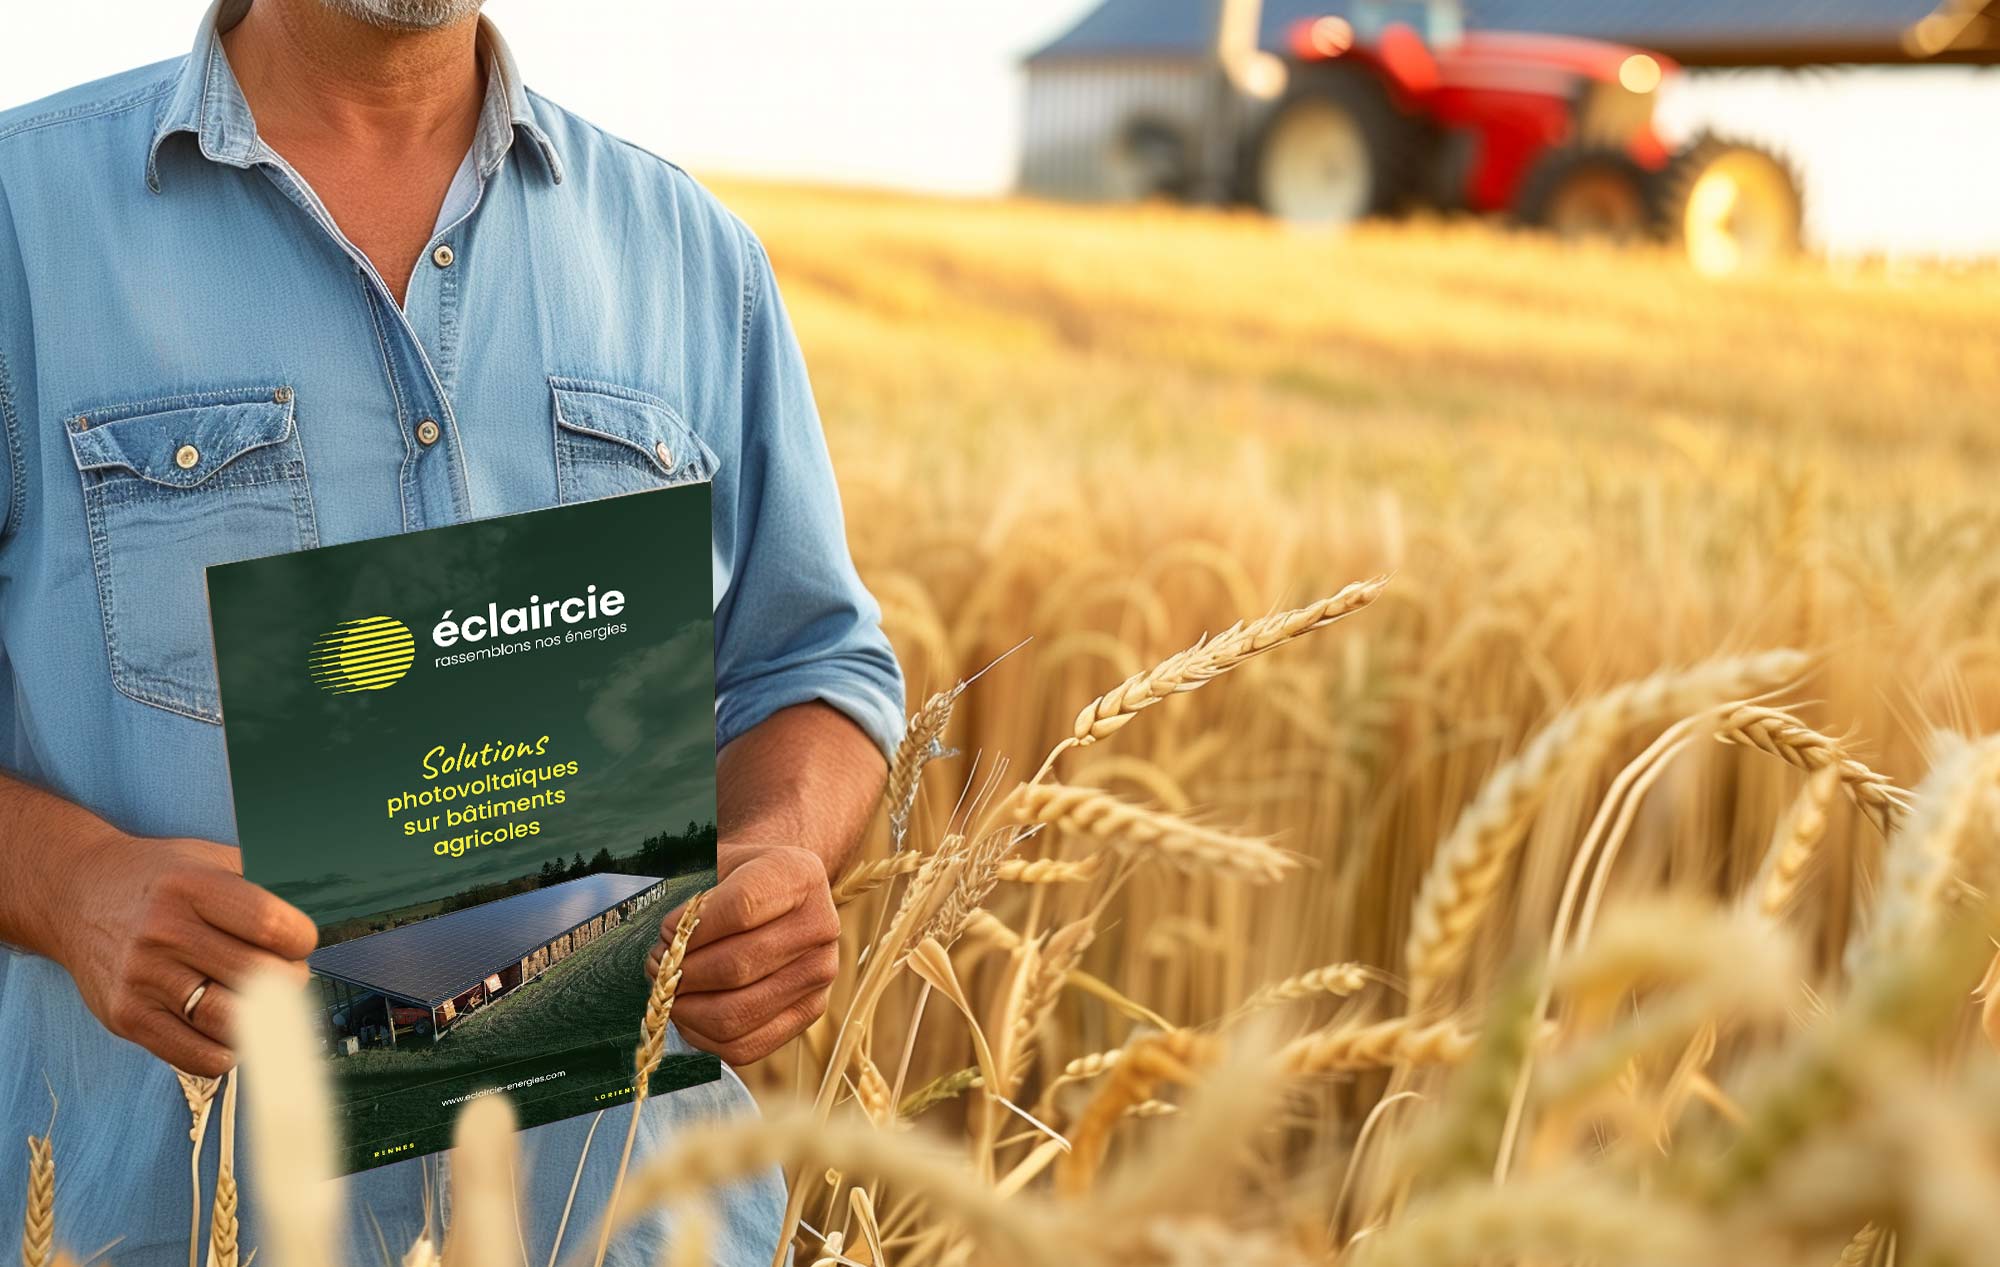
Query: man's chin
[(406, 15)]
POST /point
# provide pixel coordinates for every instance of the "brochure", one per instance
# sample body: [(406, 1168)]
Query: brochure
[(482, 759)]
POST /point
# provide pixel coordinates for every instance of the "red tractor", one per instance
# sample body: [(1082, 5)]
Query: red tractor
[(1378, 116)]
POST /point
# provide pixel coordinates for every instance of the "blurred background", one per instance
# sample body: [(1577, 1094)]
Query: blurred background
[(1883, 106)]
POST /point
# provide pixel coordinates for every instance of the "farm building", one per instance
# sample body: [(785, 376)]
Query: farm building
[(420, 978), (1134, 89)]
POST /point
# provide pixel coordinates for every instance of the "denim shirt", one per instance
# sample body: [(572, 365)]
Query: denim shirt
[(196, 366)]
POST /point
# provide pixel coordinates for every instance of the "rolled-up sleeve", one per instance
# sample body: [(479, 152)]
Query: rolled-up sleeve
[(795, 623)]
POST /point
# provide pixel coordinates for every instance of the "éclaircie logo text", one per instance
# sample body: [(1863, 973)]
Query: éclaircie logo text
[(373, 652), (537, 615)]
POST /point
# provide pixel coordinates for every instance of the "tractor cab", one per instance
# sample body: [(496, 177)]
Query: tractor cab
[(1393, 104)]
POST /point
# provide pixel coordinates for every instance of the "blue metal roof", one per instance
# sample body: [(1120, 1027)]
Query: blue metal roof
[(1685, 28), (444, 956)]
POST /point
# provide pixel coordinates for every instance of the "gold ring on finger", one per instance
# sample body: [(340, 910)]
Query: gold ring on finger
[(194, 999)]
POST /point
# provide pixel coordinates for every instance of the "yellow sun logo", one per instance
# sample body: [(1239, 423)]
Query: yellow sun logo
[(362, 655)]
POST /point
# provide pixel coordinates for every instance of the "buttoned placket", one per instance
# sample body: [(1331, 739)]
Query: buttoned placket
[(434, 489)]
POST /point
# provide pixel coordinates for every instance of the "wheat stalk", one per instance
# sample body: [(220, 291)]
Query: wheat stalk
[(199, 1092), (1147, 834), (482, 1183), (291, 1121), (1472, 862), (653, 1040)]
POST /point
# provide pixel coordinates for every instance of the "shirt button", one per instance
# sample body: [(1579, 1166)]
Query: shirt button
[(662, 452), (427, 433), (442, 257), (186, 456)]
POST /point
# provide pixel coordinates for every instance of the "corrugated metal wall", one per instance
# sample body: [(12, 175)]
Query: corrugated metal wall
[(1080, 112)]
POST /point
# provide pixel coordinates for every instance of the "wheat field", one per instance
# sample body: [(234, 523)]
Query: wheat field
[(1430, 747)]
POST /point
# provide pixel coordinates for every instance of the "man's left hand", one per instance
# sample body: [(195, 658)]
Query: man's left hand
[(759, 965)]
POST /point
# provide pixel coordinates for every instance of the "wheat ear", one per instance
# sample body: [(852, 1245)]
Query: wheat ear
[(1794, 845), (1943, 844), (864, 878), (1472, 862), (199, 1092), (1400, 1041), (1137, 832), (1790, 740), (1557, 1218), (1210, 658), (1146, 1064), (38, 1229), (223, 1249), (918, 747), (1337, 980), (653, 1042), (1860, 1248)]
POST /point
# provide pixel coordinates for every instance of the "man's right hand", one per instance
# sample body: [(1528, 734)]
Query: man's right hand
[(139, 923)]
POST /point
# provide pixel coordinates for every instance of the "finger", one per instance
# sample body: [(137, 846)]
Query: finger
[(788, 1024), (724, 1015), (249, 913), (214, 1013), (180, 1044), (744, 958), (234, 963), (760, 890)]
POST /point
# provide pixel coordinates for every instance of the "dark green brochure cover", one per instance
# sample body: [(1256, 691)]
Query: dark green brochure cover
[(482, 759)]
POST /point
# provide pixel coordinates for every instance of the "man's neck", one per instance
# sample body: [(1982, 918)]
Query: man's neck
[(307, 70), (375, 120)]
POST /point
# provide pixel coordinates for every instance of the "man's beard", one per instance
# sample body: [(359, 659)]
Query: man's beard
[(407, 15)]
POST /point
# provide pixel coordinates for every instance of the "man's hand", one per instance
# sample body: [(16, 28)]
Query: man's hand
[(139, 923), (760, 962)]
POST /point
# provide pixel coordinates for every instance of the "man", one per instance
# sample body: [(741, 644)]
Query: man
[(354, 208)]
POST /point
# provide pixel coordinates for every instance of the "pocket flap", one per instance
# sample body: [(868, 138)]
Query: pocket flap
[(181, 442), (645, 424)]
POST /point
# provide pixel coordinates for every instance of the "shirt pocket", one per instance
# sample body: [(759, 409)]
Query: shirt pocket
[(612, 440), (170, 487)]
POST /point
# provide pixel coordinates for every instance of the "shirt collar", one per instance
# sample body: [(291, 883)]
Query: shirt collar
[(207, 101)]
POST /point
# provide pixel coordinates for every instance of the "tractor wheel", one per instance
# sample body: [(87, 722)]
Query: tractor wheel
[(1153, 159), (1588, 192), (1334, 150), (1732, 207)]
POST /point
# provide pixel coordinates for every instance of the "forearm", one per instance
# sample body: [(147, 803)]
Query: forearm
[(807, 777), (43, 839)]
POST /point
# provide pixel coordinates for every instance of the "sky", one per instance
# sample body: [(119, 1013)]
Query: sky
[(925, 94)]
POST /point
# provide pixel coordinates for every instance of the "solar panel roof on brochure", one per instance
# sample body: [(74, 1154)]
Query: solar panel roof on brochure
[(446, 955)]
